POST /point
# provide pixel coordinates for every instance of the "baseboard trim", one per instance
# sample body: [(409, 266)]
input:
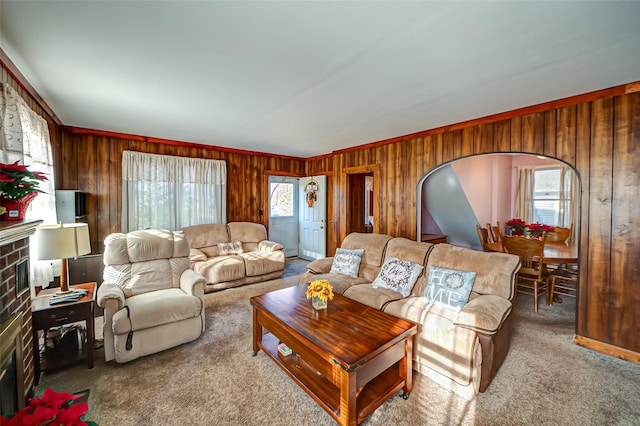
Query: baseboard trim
[(607, 349)]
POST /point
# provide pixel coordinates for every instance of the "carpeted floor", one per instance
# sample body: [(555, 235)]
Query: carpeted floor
[(294, 266), (545, 379)]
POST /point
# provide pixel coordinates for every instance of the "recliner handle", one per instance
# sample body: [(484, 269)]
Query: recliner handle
[(129, 344)]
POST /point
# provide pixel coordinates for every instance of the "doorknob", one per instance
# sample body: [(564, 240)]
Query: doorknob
[(322, 227)]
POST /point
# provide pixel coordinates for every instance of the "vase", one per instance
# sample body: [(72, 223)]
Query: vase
[(16, 208), (318, 303)]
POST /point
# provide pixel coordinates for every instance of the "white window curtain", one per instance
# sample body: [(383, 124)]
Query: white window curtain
[(569, 200), (524, 194), (24, 136), (568, 197), (168, 192)]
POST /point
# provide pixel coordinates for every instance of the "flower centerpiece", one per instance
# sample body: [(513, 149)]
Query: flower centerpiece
[(54, 408), (516, 226), (535, 230), (18, 186), (319, 291)]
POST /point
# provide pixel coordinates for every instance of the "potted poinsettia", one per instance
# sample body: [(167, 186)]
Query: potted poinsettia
[(54, 408), (535, 230), (18, 186), (517, 226)]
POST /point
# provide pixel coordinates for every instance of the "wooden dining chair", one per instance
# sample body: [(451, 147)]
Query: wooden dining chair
[(496, 231), (532, 277), (560, 234), (483, 236), (562, 282)]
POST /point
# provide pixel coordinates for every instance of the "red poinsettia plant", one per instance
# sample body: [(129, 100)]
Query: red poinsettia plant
[(54, 408), (17, 181), (534, 230), (516, 226), (537, 229)]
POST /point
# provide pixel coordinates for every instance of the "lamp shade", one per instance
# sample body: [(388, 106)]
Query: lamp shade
[(62, 241)]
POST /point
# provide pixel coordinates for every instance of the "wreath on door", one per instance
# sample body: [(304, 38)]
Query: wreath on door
[(311, 189)]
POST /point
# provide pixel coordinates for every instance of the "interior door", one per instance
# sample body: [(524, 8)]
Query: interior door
[(312, 195), (283, 213)]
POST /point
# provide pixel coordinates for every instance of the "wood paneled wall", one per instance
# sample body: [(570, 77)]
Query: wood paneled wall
[(92, 163), (600, 138), (599, 134)]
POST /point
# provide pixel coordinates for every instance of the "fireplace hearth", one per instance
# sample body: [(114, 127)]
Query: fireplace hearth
[(16, 339), (11, 365)]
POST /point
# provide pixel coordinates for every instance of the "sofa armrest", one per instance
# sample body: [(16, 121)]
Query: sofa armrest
[(484, 314), (192, 283), (196, 255), (320, 266), (110, 291), (266, 245)]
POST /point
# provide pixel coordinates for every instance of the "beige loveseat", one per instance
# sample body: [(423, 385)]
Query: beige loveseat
[(461, 351), (258, 259)]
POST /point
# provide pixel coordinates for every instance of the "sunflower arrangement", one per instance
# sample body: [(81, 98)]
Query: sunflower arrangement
[(320, 289)]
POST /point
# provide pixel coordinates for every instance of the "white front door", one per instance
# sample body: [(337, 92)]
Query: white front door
[(313, 217), (283, 213)]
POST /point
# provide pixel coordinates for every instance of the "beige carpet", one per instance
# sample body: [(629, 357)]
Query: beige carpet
[(216, 381)]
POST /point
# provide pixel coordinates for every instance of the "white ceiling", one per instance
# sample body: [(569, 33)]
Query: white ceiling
[(307, 78)]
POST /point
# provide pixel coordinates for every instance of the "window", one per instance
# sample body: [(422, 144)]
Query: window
[(282, 199), (167, 192), (552, 196)]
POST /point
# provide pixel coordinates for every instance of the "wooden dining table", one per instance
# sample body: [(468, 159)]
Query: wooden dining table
[(554, 252)]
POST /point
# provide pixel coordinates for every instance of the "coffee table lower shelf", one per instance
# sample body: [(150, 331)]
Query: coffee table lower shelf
[(324, 392)]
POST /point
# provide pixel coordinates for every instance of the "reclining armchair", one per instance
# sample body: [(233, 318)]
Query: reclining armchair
[(152, 299)]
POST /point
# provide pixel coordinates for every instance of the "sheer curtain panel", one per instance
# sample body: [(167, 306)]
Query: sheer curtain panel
[(167, 192), (24, 136)]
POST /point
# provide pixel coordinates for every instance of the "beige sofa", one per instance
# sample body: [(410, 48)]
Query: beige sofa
[(260, 259), (461, 351)]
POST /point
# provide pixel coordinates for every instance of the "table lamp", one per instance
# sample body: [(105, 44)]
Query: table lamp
[(62, 241)]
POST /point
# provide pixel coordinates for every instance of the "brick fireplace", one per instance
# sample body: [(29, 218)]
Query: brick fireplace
[(15, 305)]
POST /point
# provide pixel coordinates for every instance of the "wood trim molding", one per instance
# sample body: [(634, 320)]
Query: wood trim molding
[(545, 106), (344, 196), (607, 349), (106, 133)]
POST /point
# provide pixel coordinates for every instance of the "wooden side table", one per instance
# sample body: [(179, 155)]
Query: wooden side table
[(46, 316)]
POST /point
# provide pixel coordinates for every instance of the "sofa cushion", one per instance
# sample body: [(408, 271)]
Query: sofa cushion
[(374, 246), (368, 295), (259, 263), (156, 308), (397, 275), (484, 314), (339, 282), (347, 262), (221, 269), (449, 288), (247, 232), (207, 235)]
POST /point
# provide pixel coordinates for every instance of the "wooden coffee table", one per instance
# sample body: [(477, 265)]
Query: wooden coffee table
[(349, 358)]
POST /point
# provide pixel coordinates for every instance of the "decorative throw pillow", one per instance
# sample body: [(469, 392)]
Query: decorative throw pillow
[(449, 288), (230, 248), (347, 262), (398, 275)]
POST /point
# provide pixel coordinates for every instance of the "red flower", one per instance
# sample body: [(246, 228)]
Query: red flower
[(55, 408), (17, 181)]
